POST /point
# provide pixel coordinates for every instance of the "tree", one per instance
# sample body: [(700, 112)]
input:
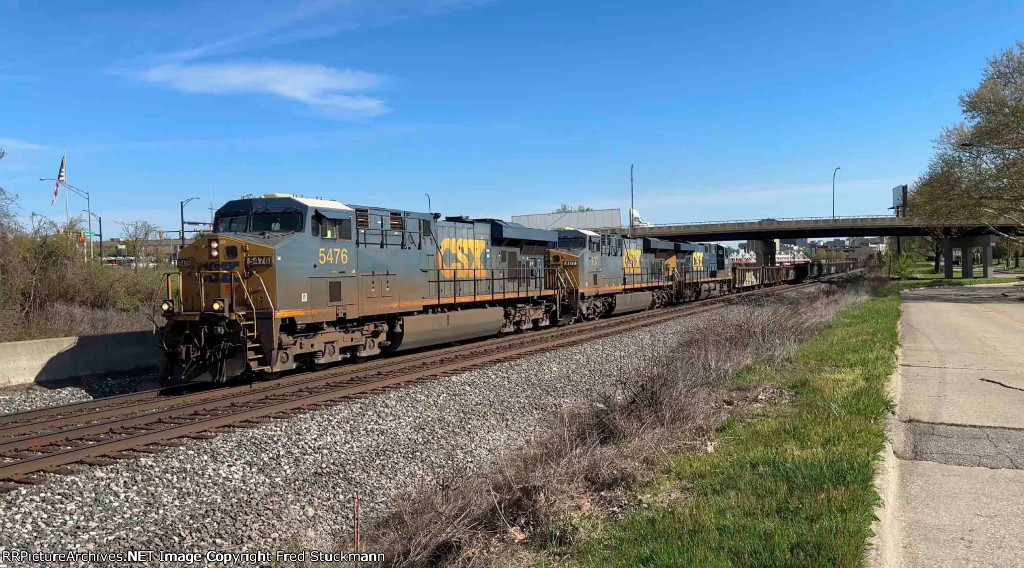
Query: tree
[(566, 208), (978, 169), (136, 235)]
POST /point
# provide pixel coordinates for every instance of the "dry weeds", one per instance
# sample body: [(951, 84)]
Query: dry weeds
[(586, 465)]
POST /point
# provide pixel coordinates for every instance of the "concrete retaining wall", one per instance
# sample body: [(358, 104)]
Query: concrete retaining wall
[(47, 360)]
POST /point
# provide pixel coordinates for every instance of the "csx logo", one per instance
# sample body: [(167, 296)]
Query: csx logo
[(698, 261), (631, 261), (462, 258)]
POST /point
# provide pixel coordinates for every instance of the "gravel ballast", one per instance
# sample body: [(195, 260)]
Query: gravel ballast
[(30, 397), (292, 481)]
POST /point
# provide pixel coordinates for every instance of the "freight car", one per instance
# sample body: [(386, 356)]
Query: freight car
[(285, 282)]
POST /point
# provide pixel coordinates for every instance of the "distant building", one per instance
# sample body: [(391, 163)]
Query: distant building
[(595, 219), (158, 251)]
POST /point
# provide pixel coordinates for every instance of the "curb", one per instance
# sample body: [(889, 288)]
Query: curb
[(882, 549)]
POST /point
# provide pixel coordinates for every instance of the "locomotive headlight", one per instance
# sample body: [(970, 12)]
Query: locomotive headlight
[(167, 306), (214, 253), (217, 306), (215, 244)]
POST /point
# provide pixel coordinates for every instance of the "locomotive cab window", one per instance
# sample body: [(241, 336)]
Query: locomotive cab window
[(337, 229), (284, 221), (231, 222)]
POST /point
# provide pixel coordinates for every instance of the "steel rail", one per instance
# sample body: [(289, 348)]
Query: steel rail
[(212, 399), (123, 405), (127, 440)]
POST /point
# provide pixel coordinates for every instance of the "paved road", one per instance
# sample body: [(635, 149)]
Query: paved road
[(963, 356), (959, 482)]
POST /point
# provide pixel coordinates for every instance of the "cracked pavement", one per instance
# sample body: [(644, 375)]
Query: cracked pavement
[(998, 448), (955, 487)]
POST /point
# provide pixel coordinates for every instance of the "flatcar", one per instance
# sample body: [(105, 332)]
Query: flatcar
[(285, 282)]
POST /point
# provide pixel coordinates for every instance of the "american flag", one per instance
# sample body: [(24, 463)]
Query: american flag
[(61, 178)]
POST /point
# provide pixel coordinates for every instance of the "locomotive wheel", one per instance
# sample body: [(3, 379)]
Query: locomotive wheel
[(268, 375), (314, 366)]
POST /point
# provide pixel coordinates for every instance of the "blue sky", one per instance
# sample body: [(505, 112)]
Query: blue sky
[(729, 111)]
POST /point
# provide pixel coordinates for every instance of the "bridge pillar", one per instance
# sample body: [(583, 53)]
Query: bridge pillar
[(966, 244), (764, 252), (967, 262), (947, 258), (986, 258)]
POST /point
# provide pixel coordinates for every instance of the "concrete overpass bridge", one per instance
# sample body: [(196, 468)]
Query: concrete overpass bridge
[(812, 227), (761, 233)]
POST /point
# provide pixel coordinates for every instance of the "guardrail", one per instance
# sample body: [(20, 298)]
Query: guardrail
[(771, 220)]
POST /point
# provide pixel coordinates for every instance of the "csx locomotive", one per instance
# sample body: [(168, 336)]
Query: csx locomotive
[(286, 281)]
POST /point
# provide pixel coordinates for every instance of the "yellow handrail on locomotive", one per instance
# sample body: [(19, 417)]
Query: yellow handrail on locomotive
[(266, 295), (202, 292), (167, 282)]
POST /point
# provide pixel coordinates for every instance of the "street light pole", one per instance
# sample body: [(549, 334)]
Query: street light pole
[(834, 191), (429, 209), (183, 203), (100, 220), (88, 209)]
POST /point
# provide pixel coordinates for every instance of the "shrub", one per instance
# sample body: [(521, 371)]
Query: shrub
[(48, 290)]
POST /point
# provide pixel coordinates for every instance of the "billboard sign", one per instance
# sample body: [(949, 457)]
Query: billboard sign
[(899, 196)]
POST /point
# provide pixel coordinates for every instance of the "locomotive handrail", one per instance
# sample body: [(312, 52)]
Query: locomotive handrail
[(266, 295), (245, 290), (202, 289), (167, 282), (514, 282)]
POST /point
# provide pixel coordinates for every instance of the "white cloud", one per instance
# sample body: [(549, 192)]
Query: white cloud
[(268, 25), (324, 88), (15, 144)]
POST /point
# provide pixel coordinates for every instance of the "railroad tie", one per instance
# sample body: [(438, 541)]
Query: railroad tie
[(102, 462), (120, 456), (149, 450)]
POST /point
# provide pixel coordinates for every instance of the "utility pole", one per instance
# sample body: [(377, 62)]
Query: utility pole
[(183, 203), (834, 191), (631, 200)]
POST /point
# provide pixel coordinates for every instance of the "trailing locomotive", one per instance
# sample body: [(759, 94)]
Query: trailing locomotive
[(285, 282)]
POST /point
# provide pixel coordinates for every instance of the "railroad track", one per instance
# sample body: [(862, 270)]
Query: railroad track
[(100, 432)]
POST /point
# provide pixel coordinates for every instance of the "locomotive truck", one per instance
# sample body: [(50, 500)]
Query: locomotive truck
[(285, 281)]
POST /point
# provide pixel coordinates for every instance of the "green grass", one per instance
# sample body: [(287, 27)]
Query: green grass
[(939, 281), (790, 487), (931, 275)]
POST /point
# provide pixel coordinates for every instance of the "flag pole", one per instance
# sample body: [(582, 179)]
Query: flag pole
[(67, 210)]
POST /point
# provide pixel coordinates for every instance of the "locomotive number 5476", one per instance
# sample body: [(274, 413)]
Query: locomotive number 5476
[(333, 256)]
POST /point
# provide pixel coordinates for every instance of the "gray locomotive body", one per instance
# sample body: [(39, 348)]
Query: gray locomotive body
[(286, 282)]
